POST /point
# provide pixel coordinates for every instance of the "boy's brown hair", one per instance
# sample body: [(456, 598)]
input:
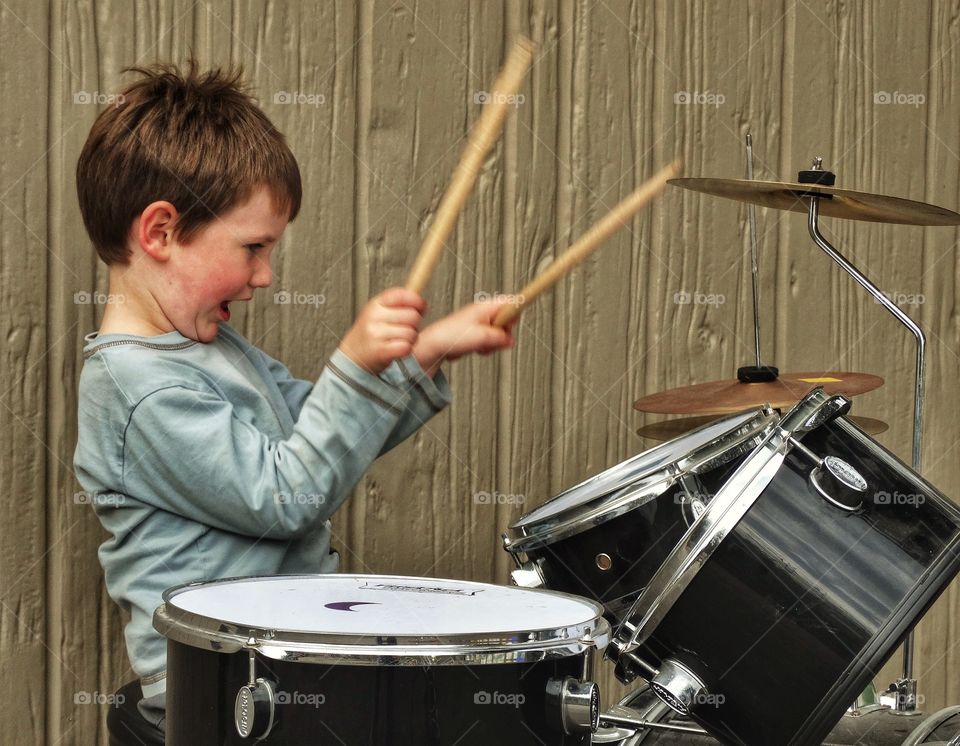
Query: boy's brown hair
[(196, 140)]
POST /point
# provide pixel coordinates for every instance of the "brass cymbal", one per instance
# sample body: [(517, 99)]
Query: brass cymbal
[(835, 202), (670, 429), (727, 396)]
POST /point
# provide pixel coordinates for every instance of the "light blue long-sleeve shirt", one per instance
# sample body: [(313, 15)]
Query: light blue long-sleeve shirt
[(207, 461)]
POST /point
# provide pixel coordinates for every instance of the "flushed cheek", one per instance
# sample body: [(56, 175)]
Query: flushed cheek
[(212, 293)]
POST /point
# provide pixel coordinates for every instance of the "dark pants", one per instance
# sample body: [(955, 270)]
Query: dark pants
[(127, 727)]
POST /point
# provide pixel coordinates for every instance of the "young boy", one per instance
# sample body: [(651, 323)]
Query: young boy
[(197, 449)]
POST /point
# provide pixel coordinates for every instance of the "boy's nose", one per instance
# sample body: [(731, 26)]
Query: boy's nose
[(262, 275)]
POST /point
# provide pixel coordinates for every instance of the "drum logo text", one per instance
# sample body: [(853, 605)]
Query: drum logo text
[(417, 589)]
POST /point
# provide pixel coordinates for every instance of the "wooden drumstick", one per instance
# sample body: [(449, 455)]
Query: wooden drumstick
[(587, 243), (484, 133)]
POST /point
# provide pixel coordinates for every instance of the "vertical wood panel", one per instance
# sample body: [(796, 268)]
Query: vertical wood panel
[(416, 506), (24, 267), (87, 653), (526, 406)]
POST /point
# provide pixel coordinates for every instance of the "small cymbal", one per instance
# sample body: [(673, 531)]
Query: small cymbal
[(670, 429), (869, 425), (836, 203), (727, 396)]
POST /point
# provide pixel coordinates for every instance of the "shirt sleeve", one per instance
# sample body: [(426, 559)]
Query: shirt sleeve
[(427, 396), (186, 451)]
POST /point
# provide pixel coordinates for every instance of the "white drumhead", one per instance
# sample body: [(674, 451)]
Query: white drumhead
[(639, 467), (380, 605)]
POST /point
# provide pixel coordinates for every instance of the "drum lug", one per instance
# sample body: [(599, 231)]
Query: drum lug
[(529, 575), (847, 479), (678, 686), (254, 710), (575, 705), (844, 477), (627, 665)]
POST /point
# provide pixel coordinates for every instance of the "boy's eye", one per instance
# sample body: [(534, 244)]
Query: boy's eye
[(253, 246)]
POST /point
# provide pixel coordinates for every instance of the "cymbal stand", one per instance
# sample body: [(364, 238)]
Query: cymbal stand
[(758, 373), (752, 213), (904, 688)]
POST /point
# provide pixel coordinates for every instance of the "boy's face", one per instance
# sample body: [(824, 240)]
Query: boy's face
[(226, 261)]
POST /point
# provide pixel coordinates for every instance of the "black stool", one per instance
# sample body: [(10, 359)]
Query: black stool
[(125, 724)]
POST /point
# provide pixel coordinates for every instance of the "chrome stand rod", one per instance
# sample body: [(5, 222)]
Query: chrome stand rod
[(813, 224), (814, 227), (752, 213), (631, 722)]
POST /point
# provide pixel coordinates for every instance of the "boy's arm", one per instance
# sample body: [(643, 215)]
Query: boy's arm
[(186, 451), (427, 395)]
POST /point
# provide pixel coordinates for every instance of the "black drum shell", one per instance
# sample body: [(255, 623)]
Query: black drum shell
[(636, 542), (802, 594), (364, 705)]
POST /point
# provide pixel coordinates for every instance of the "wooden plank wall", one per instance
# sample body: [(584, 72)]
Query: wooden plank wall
[(395, 83)]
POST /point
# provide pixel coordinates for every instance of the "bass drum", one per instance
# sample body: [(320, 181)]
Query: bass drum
[(374, 660), (940, 729), (809, 566), (605, 538), (874, 726)]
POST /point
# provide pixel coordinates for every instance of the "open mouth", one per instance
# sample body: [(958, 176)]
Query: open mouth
[(225, 310)]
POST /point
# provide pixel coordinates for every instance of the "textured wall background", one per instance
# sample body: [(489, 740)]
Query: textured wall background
[(393, 88)]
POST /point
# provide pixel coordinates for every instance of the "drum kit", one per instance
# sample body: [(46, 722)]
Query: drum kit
[(750, 575), (757, 550)]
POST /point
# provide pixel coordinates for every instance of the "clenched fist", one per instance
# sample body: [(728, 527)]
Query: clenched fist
[(385, 330)]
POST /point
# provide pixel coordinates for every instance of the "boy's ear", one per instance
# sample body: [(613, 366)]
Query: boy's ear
[(154, 229)]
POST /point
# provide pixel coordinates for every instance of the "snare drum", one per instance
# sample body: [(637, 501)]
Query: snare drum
[(605, 537), (372, 660), (809, 566)]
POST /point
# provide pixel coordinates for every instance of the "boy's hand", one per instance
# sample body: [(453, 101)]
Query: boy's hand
[(468, 329), (385, 329)]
